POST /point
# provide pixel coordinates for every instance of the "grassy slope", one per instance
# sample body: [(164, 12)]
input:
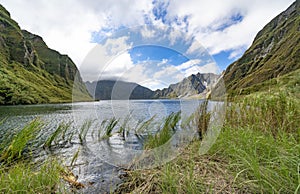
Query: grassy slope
[(258, 148), (257, 151), (274, 53), (30, 72)]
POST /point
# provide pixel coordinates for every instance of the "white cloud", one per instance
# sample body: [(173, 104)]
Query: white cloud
[(195, 49), (154, 84), (147, 32), (165, 72), (116, 46), (192, 67), (135, 74), (163, 62), (120, 64), (108, 60), (168, 75), (188, 64), (207, 16), (208, 68), (67, 26)]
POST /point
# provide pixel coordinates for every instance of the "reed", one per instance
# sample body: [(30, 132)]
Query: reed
[(257, 151), (164, 134), (124, 127), (201, 119), (83, 131), (107, 126), (143, 127), (58, 137), (15, 147)]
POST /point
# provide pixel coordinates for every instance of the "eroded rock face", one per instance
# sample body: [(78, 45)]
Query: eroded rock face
[(195, 84), (274, 52), (31, 72), (189, 86)]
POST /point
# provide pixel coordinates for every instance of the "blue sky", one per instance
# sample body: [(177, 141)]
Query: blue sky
[(113, 38), (153, 56)]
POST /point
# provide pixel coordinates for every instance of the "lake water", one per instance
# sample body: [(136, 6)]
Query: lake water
[(99, 162)]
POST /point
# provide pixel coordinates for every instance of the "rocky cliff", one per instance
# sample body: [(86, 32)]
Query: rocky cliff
[(30, 72), (275, 52), (194, 85)]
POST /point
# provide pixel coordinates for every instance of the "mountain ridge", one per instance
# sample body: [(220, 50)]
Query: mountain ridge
[(195, 85), (31, 72), (117, 90), (274, 52)]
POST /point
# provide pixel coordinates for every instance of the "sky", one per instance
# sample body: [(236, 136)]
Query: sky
[(153, 43)]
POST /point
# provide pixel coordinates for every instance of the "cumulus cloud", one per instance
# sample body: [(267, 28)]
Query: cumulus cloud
[(212, 23), (68, 26), (165, 72), (163, 62), (192, 67), (188, 64), (135, 74), (168, 75), (147, 32), (107, 60)]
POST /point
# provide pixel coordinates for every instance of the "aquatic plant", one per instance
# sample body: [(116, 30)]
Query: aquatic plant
[(107, 127), (15, 146), (84, 130), (249, 156), (165, 133), (124, 126), (201, 119), (75, 156), (58, 135), (142, 127)]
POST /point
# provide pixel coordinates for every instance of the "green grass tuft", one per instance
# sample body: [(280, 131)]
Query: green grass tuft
[(257, 151), (164, 134), (26, 178), (15, 147)]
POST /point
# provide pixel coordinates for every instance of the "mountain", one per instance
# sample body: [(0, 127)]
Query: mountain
[(194, 85), (272, 58), (30, 72), (117, 90)]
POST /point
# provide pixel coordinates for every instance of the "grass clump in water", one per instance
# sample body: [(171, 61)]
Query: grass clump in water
[(15, 146), (107, 126), (59, 135), (201, 119), (18, 173), (165, 133), (257, 151), (84, 130)]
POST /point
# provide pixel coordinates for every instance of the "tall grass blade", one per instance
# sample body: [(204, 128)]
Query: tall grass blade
[(17, 146)]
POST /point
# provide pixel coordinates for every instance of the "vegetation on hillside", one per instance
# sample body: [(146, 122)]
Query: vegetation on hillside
[(32, 73), (274, 53), (257, 151)]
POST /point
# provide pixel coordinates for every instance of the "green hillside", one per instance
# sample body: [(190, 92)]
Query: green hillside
[(30, 72), (272, 61)]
